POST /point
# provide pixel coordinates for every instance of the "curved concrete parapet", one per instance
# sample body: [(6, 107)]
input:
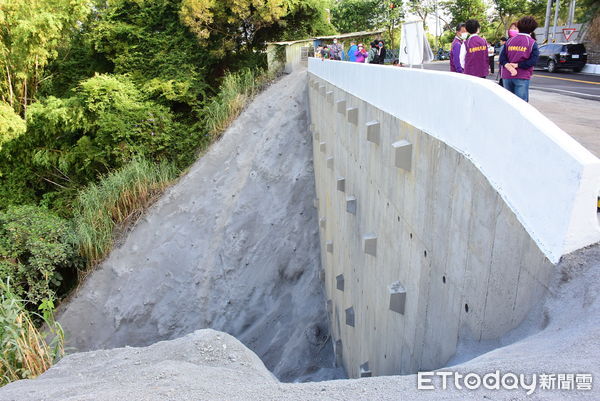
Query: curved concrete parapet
[(458, 198), (548, 179)]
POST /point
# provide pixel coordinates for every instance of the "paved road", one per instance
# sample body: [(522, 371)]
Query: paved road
[(564, 82)]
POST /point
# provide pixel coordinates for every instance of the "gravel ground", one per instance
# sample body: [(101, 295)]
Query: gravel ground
[(209, 365)]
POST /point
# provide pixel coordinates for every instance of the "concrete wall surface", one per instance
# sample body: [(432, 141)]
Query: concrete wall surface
[(423, 238), (547, 179)]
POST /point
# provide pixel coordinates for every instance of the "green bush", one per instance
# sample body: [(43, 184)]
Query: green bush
[(37, 250), (72, 142), (117, 198)]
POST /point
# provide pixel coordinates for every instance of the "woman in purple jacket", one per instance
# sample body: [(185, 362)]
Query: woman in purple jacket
[(361, 54), (518, 57)]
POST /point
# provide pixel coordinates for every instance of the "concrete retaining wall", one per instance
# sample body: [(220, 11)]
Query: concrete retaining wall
[(421, 242)]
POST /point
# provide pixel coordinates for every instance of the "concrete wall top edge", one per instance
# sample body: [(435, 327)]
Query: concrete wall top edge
[(548, 179)]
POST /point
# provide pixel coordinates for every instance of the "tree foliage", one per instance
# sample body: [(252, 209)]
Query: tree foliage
[(364, 15), (463, 10), (11, 124), (31, 33), (230, 24), (355, 15), (72, 141)]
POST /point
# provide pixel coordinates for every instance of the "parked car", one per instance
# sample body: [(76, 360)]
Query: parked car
[(557, 56)]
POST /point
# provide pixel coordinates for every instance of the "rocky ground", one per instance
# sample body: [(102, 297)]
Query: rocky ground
[(208, 365)]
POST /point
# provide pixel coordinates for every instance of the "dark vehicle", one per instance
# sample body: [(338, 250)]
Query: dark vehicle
[(557, 56), (442, 54)]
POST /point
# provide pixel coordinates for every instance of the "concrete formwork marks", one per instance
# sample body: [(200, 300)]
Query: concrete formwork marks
[(440, 231), (397, 297), (403, 154), (340, 282), (352, 114), (373, 128), (350, 316), (351, 204), (330, 162), (370, 244)]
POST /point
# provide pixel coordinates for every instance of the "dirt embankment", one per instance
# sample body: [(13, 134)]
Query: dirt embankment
[(233, 246)]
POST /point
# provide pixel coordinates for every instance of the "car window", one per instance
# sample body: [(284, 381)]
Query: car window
[(577, 48)]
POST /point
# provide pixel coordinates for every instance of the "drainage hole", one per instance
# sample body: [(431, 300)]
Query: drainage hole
[(467, 308), (444, 279)]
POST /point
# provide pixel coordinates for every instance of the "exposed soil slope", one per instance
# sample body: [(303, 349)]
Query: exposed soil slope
[(232, 246)]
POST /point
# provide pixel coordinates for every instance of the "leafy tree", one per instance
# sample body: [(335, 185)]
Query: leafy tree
[(31, 32), (422, 8), (364, 15), (463, 10), (146, 41), (72, 141), (230, 24), (37, 252), (302, 19), (355, 15), (11, 124)]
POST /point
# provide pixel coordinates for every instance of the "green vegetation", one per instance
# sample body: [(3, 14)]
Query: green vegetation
[(119, 197), (235, 92), (102, 105), (37, 250), (24, 351)]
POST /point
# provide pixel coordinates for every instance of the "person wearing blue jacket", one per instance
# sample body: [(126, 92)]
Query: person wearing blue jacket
[(352, 52)]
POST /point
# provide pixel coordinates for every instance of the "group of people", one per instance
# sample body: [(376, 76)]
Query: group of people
[(470, 54), (357, 53)]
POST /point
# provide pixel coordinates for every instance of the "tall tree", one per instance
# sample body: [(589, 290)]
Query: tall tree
[(463, 10), (230, 24), (355, 15), (31, 33), (363, 15)]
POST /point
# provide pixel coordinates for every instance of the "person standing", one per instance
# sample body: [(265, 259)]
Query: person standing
[(519, 56), (381, 51), (512, 30), (461, 35), (352, 51), (361, 54), (502, 43), (491, 56), (335, 50), (372, 56), (474, 51)]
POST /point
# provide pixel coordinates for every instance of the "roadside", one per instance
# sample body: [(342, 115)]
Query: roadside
[(581, 85), (578, 117)]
